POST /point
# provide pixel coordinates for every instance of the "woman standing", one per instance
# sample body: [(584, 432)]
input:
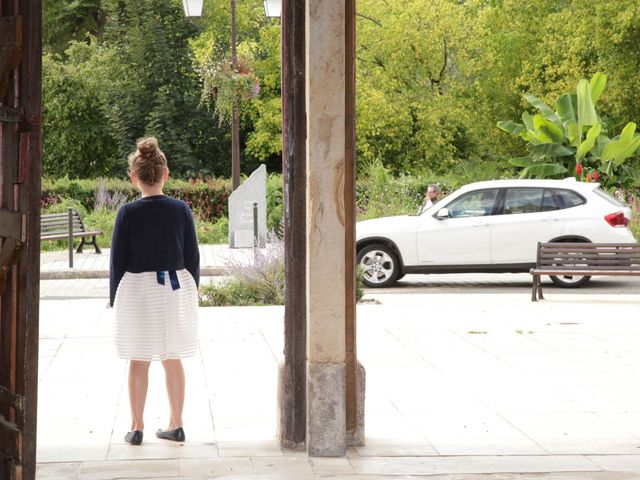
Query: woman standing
[(154, 276)]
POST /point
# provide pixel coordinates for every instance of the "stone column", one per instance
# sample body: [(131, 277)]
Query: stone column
[(325, 93)]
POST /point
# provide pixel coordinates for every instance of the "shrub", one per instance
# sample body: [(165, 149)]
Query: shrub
[(260, 282), (275, 204), (212, 232), (208, 199)]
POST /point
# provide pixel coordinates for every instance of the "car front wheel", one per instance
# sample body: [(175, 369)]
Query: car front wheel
[(380, 265)]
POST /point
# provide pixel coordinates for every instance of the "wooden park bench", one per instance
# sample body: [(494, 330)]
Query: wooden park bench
[(58, 226), (584, 259)]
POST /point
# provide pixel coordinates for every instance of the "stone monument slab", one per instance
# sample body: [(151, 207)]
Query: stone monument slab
[(241, 204)]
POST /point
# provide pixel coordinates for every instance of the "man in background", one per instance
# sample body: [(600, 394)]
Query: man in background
[(431, 197)]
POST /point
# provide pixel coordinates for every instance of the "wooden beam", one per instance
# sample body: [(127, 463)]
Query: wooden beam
[(10, 50), (10, 224), (9, 398), (350, 216), (9, 438), (294, 133)]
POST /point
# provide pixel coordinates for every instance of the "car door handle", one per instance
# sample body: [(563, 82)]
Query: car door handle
[(481, 225), (551, 219)]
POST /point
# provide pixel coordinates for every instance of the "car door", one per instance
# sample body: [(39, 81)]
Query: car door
[(527, 216), (462, 237)]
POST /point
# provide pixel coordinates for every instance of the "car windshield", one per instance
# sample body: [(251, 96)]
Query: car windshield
[(610, 198)]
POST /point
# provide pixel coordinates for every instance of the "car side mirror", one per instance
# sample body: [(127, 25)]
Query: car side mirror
[(442, 213)]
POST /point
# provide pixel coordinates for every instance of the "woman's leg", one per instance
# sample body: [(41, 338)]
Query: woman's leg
[(174, 375), (138, 384)]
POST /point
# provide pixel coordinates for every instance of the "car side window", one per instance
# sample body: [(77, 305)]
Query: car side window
[(473, 204), (569, 198), (523, 200), (549, 201)]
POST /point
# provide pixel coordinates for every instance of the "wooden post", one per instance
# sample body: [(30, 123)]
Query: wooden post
[(292, 381), (354, 372), (70, 239), (20, 174)]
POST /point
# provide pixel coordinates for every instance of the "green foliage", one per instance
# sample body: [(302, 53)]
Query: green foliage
[(207, 199), (574, 137), (236, 292), (275, 204), (259, 283), (79, 138), (431, 83), (413, 112), (65, 21), (212, 232), (379, 193)]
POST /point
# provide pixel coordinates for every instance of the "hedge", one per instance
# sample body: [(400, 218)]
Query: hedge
[(208, 199)]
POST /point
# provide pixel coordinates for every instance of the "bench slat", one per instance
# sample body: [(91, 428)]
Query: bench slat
[(66, 235), (612, 273), (588, 245), (590, 268), (590, 261), (584, 259), (547, 258)]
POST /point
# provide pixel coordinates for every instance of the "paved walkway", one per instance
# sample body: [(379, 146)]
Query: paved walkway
[(214, 260), (476, 386)]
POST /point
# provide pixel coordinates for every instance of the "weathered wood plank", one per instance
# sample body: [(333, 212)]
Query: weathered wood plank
[(10, 49), (10, 398), (10, 224)]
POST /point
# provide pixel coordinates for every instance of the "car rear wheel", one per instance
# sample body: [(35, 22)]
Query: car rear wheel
[(570, 281), (380, 265)]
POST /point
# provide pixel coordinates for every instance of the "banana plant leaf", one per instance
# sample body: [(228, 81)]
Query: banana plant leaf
[(522, 162), (628, 132), (619, 150), (589, 142), (550, 150), (547, 131), (586, 111), (601, 142), (544, 109), (613, 123), (529, 134), (596, 85), (572, 133), (567, 108), (542, 170), (511, 127)]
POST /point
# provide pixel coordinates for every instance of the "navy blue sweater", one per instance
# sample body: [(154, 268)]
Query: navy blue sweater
[(153, 234)]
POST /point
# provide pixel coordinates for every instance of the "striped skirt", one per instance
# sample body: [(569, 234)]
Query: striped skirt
[(154, 321)]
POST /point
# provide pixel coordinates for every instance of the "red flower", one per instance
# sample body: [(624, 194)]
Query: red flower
[(595, 176), (578, 169)]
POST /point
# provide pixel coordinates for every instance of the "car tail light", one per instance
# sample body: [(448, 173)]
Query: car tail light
[(617, 219)]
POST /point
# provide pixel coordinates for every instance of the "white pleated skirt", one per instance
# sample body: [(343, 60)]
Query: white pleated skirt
[(153, 321)]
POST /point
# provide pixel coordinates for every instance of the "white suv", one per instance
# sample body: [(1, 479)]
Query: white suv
[(490, 227)]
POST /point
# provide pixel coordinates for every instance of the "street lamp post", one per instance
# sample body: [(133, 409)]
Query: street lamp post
[(193, 8)]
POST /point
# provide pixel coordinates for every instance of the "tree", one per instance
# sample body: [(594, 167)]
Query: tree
[(80, 139), (65, 21)]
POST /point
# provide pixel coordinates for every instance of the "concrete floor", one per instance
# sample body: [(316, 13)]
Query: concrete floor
[(459, 386)]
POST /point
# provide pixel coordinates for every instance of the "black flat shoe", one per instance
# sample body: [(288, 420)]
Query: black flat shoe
[(176, 435), (133, 438)]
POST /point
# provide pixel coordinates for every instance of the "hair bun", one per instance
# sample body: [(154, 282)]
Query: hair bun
[(148, 146)]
